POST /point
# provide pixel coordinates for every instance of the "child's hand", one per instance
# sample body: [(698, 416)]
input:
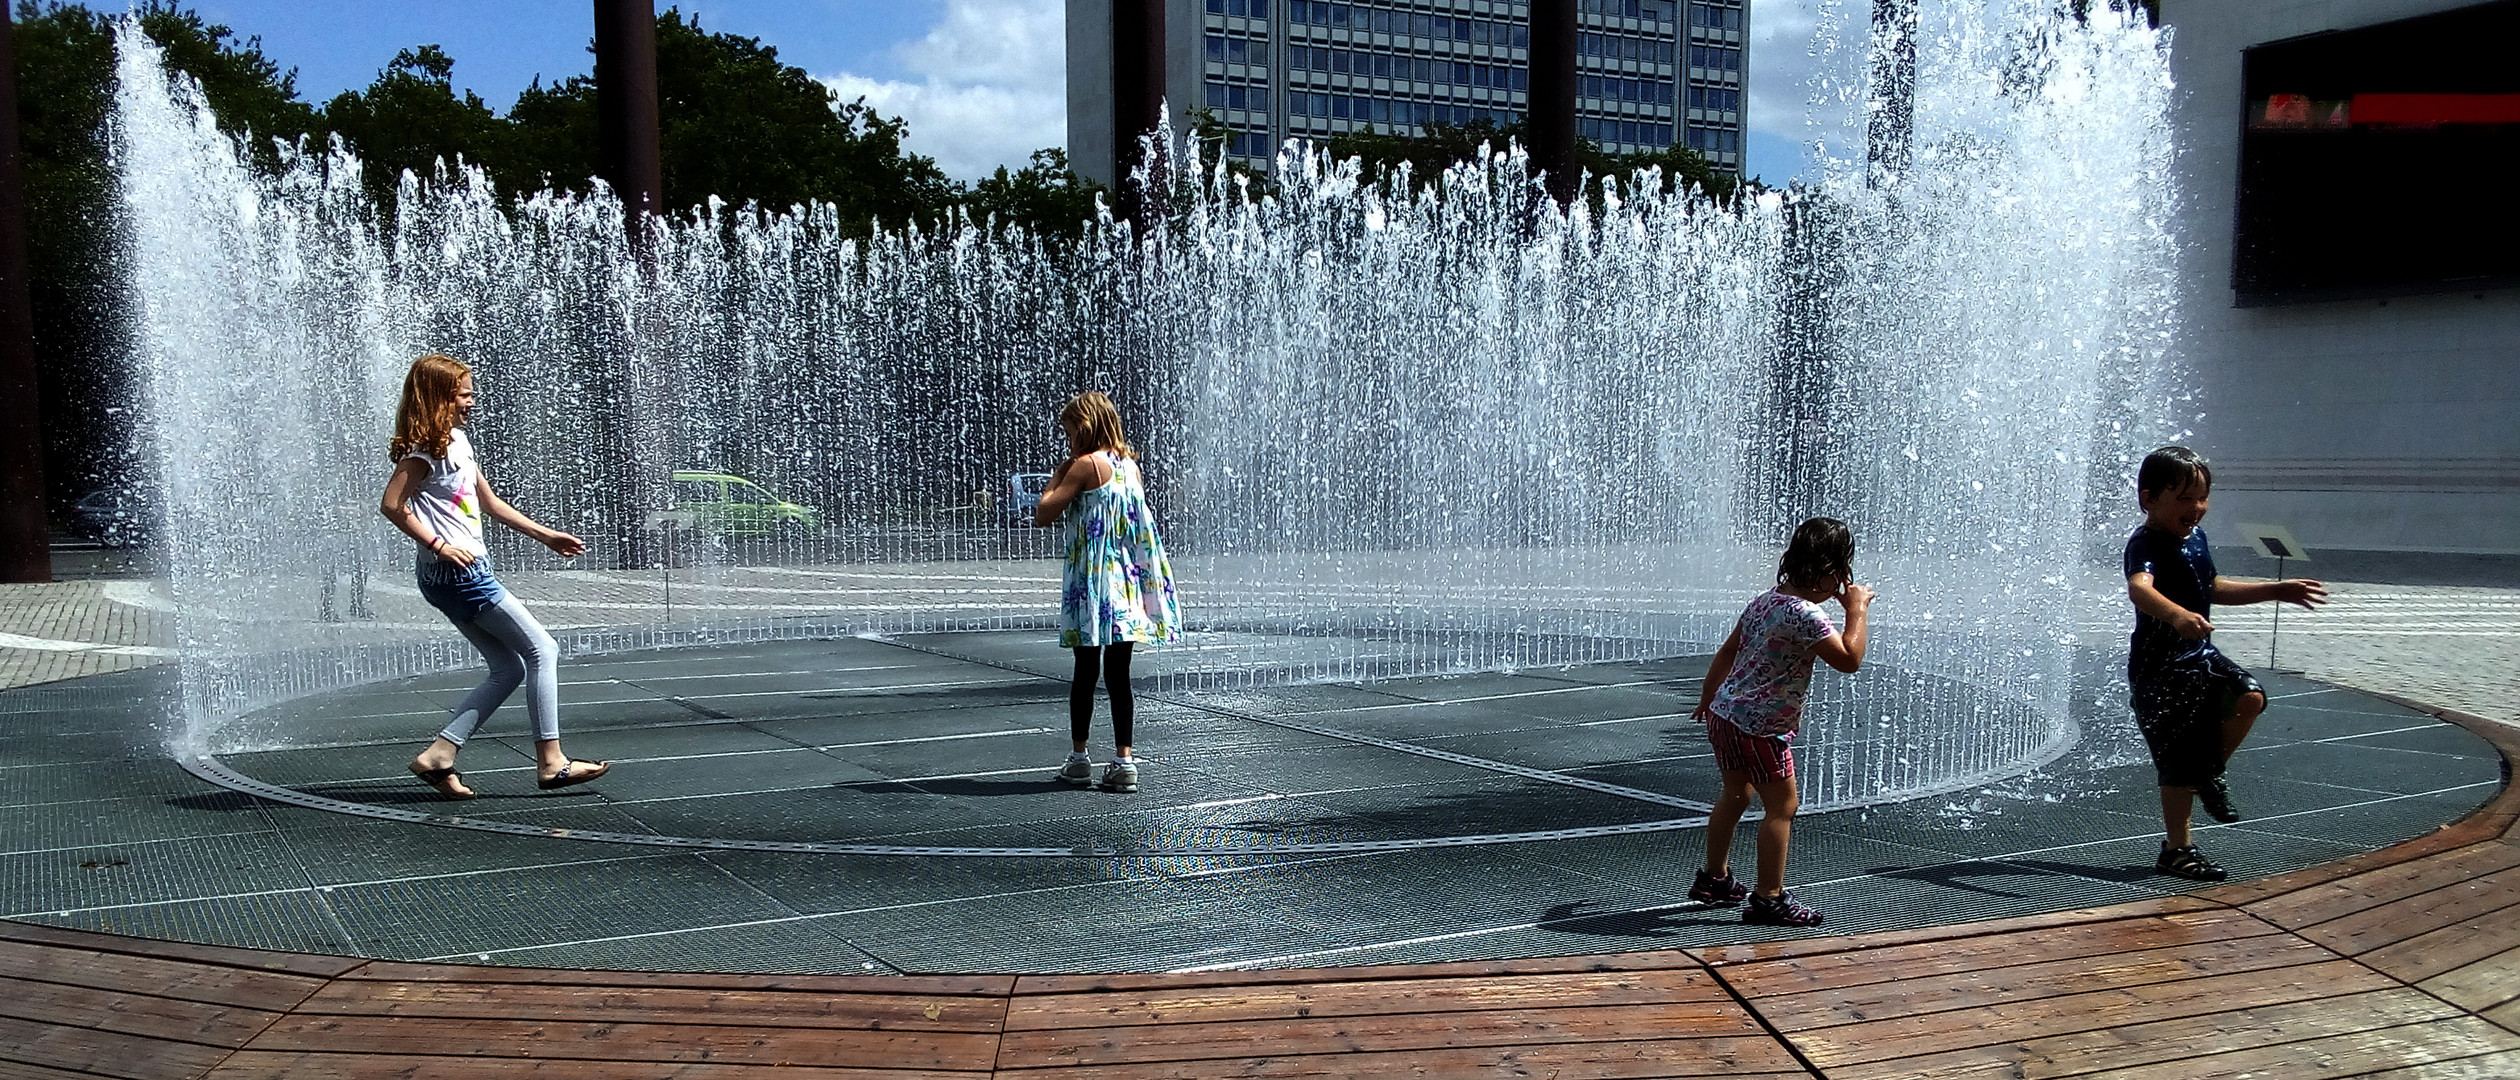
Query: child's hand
[(2191, 625), (1703, 713), (2302, 591), (1856, 597), (565, 545)]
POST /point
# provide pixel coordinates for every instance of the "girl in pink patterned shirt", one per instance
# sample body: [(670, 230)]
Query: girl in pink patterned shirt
[(1752, 705)]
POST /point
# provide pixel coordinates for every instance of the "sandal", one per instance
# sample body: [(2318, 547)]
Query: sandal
[(571, 776), (2189, 863), (444, 780)]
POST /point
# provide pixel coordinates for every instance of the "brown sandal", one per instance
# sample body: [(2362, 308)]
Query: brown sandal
[(444, 780), (571, 776)]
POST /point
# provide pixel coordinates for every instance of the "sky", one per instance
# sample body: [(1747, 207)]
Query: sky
[(981, 82)]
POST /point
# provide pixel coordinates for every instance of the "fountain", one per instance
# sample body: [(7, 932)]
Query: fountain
[(1391, 433)]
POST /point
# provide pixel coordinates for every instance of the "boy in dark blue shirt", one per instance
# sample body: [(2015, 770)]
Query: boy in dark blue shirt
[(2193, 703)]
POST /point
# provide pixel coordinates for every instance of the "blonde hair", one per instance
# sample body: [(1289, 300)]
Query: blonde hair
[(1096, 423), (426, 420)]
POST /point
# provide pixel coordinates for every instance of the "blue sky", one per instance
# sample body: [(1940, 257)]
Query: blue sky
[(980, 81)]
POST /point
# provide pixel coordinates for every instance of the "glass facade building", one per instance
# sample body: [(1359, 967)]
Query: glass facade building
[(1651, 73)]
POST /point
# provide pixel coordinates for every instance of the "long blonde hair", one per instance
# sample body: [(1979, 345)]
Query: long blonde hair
[(426, 420), (1097, 423)]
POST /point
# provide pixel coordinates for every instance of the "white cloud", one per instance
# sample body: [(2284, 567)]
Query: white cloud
[(989, 85), (1792, 42)]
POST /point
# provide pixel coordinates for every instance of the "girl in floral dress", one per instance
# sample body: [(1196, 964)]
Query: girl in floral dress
[(1118, 588)]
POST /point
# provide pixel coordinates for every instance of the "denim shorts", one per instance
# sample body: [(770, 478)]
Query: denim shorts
[(460, 592)]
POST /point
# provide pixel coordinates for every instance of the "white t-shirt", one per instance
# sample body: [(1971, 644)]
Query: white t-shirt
[(1771, 674), (448, 501)]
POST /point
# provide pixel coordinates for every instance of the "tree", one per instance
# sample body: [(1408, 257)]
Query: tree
[(410, 118), (1045, 198)]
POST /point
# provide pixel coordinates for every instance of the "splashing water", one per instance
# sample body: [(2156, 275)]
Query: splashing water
[(1389, 432)]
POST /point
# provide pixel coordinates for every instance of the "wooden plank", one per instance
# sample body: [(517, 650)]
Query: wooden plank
[(2506, 1015), (2361, 892), (1757, 952), (247, 987), (226, 956), (660, 1005), (1291, 1002), (525, 1039), (2030, 982), (15, 1070), (132, 1014), (2480, 986), (2174, 1040), (1081, 984), (2501, 1066), (263, 1065), (2451, 947), (2348, 1054), (1365, 1034), (2012, 1021), (105, 1053), (2393, 923), (399, 971), (1736, 1059), (1902, 962)]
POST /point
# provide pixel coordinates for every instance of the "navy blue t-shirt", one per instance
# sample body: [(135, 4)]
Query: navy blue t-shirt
[(2183, 572)]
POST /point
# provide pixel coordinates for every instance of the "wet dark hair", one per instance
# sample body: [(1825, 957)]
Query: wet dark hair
[(1821, 556), (2173, 468)]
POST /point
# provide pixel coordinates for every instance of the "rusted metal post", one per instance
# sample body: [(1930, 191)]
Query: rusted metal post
[(1550, 124), (1137, 106), (25, 548)]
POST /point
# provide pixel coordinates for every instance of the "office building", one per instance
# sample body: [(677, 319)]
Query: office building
[(1651, 73)]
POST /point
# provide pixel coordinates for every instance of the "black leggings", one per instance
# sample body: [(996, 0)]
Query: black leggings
[(1112, 662)]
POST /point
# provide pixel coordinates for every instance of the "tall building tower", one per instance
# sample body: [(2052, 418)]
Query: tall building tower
[(1652, 73)]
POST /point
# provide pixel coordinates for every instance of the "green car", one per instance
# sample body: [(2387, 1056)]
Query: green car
[(729, 505)]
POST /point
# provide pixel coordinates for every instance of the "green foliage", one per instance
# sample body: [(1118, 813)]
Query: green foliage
[(410, 119), (1046, 198), (1445, 145), (250, 93)]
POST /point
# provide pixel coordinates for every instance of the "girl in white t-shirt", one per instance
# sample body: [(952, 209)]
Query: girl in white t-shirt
[(437, 496)]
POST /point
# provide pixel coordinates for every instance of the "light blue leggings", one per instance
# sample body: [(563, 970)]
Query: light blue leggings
[(518, 649)]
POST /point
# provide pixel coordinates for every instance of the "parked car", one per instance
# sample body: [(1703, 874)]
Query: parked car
[(117, 517), (1023, 493), (729, 505)]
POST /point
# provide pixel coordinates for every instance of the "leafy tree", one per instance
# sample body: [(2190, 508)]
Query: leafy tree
[(1045, 198), (410, 118)]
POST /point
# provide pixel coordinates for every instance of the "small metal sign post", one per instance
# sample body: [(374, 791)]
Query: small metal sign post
[(2275, 542)]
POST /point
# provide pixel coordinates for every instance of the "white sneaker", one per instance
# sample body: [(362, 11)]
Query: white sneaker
[(1077, 771), (1120, 776)]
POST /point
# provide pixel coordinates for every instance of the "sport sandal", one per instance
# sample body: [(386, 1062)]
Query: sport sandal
[(2216, 797), (2189, 863), (1724, 891), (1778, 910)]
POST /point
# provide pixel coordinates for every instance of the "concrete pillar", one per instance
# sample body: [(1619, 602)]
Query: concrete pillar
[(25, 548), (1550, 125), (628, 151)]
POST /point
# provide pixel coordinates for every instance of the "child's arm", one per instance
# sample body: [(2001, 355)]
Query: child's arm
[(1074, 477), (1716, 669), (563, 544), (396, 506), (1844, 650), (2190, 625), (2302, 591)]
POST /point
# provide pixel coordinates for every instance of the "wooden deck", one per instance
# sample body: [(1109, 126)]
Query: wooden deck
[(2402, 964)]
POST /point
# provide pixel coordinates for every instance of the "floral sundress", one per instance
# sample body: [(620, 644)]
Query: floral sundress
[(1118, 584)]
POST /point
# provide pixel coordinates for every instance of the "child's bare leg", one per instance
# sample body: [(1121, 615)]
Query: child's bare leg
[(2177, 804), (2244, 715), (1778, 800), (1722, 819)]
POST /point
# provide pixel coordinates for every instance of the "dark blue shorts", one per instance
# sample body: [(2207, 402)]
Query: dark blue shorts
[(2181, 706)]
